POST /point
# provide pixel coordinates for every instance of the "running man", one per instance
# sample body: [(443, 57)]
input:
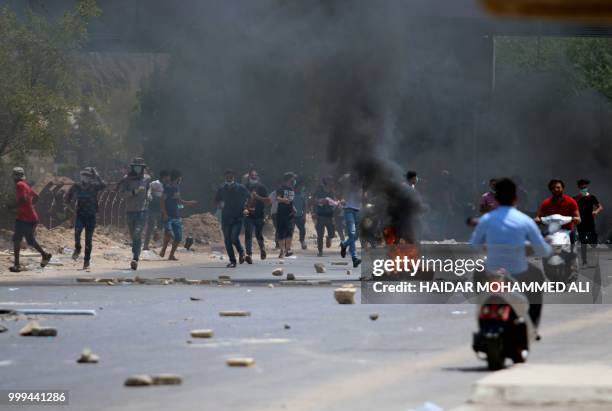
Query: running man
[(26, 219)]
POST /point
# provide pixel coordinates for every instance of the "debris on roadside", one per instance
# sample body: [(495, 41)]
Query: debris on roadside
[(195, 299), (234, 313), (138, 381), (86, 280), (33, 329), (319, 268), (339, 263), (87, 357), (224, 278), (374, 316), (240, 362), (202, 333), (270, 285), (3, 329), (348, 272), (166, 379), (287, 327), (277, 272), (345, 295), (290, 277)]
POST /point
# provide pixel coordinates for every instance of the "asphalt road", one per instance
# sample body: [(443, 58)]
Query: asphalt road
[(333, 357)]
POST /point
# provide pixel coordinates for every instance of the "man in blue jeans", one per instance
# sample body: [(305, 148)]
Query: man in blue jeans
[(255, 217), (232, 197), (135, 187), (86, 192), (351, 206)]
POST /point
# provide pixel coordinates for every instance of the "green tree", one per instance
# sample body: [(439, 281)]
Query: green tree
[(40, 80)]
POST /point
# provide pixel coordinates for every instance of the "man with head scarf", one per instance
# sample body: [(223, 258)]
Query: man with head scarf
[(86, 193), (26, 219), (135, 188)]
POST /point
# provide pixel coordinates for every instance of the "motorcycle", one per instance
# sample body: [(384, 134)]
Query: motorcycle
[(562, 265), (505, 329)]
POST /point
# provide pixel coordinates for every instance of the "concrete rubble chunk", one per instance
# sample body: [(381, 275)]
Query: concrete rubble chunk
[(234, 313), (319, 268), (106, 280), (290, 277), (345, 295), (87, 357), (374, 316), (536, 385), (3, 329), (33, 329), (240, 362), (138, 381), (277, 272), (166, 379), (205, 333), (270, 285)]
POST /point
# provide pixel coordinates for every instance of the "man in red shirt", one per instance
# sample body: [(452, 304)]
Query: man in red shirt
[(559, 203), (26, 219)]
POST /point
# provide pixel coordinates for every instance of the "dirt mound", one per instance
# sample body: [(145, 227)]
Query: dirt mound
[(204, 228)]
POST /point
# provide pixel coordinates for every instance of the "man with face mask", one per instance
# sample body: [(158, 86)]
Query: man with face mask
[(254, 215), (86, 192), (171, 204), (232, 198), (135, 188), (589, 207), (26, 219)]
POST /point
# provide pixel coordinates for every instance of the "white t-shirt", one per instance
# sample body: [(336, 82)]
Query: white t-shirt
[(156, 189)]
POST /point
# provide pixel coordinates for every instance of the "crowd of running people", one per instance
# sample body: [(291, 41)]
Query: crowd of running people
[(245, 205)]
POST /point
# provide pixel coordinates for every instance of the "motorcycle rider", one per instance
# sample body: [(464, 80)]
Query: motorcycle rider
[(505, 231), (559, 203)]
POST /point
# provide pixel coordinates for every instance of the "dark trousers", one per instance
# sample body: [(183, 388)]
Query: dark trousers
[(300, 223), (253, 225), (85, 222), (586, 237), (231, 236), (322, 224)]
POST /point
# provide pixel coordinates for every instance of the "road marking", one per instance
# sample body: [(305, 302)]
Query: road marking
[(350, 387)]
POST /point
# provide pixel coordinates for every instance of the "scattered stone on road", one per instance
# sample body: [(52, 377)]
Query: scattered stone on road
[(3, 329), (202, 333), (270, 285), (167, 379), (234, 313), (339, 263), (33, 329), (240, 362), (319, 268), (374, 316), (105, 280), (287, 327), (224, 278), (348, 272), (191, 282), (138, 381), (290, 277), (87, 357), (277, 272), (86, 280), (195, 298), (345, 295)]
